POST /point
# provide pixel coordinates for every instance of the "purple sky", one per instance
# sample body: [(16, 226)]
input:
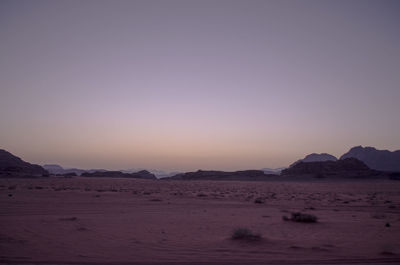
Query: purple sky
[(183, 85)]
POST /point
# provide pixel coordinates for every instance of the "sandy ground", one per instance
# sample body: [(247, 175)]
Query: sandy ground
[(128, 221)]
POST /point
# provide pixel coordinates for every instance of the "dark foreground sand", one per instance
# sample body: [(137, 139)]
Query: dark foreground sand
[(128, 221)]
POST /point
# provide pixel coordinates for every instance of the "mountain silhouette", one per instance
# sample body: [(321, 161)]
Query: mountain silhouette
[(348, 167), (376, 159), (13, 166), (314, 157), (59, 170)]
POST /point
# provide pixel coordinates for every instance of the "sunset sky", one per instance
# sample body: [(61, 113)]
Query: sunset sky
[(184, 85)]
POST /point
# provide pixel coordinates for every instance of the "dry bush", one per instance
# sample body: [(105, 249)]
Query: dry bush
[(301, 218), (245, 234), (259, 200)]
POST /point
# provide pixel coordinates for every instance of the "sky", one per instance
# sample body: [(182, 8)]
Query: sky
[(187, 85)]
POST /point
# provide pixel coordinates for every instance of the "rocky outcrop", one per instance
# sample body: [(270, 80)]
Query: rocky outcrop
[(222, 175), (143, 174), (13, 166), (349, 167), (316, 158), (376, 159)]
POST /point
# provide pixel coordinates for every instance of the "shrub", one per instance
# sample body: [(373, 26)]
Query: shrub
[(259, 200), (245, 234), (285, 218), (301, 218)]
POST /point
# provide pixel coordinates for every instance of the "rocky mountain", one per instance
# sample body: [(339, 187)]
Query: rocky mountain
[(143, 174), (376, 159), (222, 175), (348, 167), (13, 166), (316, 158)]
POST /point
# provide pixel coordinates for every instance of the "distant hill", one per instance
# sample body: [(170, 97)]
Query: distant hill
[(273, 171), (59, 170), (316, 158), (158, 173), (162, 174), (345, 168), (54, 169), (144, 174), (376, 159), (13, 166), (221, 175)]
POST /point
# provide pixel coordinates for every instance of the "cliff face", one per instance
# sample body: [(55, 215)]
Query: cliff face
[(375, 159), (349, 167), (13, 166)]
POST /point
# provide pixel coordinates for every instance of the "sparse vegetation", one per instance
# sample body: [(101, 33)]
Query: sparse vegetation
[(259, 200), (245, 234), (69, 219), (301, 218), (285, 218)]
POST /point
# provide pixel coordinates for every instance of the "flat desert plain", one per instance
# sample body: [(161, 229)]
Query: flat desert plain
[(131, 221)]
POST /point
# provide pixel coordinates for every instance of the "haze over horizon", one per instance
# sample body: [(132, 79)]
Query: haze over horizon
[(187, 85)]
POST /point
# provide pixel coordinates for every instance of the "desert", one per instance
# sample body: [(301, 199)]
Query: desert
[(201, 132), (136, 221)]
